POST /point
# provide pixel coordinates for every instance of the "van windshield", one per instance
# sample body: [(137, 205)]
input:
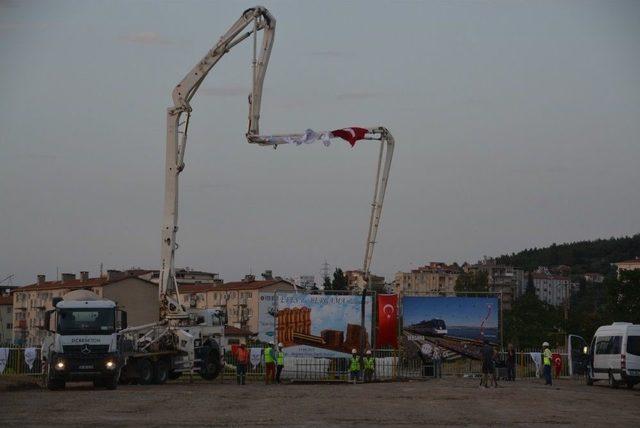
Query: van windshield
[(633, 345)]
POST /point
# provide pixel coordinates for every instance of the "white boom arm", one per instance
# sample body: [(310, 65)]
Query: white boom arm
[(170, 307)]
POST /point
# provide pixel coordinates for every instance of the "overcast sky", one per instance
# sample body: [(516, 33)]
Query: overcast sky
[(517, 125)]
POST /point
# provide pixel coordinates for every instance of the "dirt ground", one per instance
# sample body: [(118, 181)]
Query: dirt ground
[(433, 402)]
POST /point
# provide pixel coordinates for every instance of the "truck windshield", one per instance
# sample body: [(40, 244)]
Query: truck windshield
[(86, 321)]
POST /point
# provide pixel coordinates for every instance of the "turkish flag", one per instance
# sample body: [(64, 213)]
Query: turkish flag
[(350, 134), (387, 320)]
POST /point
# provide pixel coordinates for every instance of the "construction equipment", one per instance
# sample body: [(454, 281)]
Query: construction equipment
[(186, 343)]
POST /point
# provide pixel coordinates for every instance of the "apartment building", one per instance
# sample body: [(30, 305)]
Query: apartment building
[(183, 276), (241, 300), (506, 280), (633, 264), (356, 280), (435, 278), (552, 289), (135, 295), (6, 319)]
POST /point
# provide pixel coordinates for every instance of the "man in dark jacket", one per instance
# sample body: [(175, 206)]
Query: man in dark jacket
[(511, 363)]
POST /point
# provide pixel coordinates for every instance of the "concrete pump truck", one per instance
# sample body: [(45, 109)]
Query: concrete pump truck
[(183, 340)]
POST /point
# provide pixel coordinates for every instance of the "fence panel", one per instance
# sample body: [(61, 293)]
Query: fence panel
[(16, 364)]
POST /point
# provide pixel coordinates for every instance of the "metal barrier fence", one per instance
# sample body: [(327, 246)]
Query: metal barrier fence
[(389, 365), (16, 364)]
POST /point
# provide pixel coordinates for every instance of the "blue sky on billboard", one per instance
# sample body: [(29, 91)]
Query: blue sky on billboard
[(455, 311)]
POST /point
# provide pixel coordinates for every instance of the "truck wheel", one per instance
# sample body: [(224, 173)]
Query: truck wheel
[(210, 365), (160, 372), (173, 375), (112, 382), (145, 371), (55, 384)]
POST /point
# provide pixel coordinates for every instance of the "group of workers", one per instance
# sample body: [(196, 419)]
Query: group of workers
[(274, 363)]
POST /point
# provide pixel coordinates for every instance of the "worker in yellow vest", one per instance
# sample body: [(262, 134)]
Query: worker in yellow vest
[(279, 361), (546, 361), (269, 364), (354, 366), (369, 366)]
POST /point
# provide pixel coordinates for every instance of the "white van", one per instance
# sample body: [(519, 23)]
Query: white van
[(614, 355)]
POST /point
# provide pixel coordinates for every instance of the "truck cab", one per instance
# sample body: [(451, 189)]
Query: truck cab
[(83, 343)]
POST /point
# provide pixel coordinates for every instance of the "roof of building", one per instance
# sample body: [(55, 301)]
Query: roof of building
[(635, 261), (230, 286), (6, 300), (73, 284)]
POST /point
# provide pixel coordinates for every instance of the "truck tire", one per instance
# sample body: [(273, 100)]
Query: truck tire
[(211, 365), (145, 371), (160, 372), (55, 384), (112, 382), (173, 375)]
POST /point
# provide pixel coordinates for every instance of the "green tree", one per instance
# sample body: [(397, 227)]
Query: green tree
[(339, 282), (531, 322), (472, 282), (326, 284)]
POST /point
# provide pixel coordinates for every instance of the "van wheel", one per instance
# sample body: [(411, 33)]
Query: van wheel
[(612, 382), (145, 371), (160, 372)]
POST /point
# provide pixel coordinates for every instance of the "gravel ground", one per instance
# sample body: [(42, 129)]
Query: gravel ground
[(434, 402)]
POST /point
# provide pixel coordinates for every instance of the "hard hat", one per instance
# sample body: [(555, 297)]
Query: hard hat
[(353, 351), (280, 345), (368, 351), (545, 345)]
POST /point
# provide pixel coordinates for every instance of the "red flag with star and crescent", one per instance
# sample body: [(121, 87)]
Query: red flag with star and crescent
[(387, 321), (351, 135)]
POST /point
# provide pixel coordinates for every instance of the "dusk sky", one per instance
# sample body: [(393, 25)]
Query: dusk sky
[(517, 125)]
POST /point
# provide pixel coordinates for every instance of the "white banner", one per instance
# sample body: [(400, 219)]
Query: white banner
[(4, 357), (30, 355)]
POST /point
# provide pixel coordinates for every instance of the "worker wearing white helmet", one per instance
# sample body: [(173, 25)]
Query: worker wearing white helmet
[(354, 366), (279, 361), (369, 366), (546, 359)]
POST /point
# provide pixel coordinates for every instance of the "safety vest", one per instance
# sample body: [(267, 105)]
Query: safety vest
[(369, 363), (268, 356), (280, 358), (547, 357), (355, 364)]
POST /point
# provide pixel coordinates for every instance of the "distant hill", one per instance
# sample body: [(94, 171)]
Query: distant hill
[(583, 256)]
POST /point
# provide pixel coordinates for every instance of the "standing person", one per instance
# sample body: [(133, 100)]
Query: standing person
[(279, 361), (511, 363), (242, 357), (354, 366), (369, 366), (437, 362), (269, 364), (546, 360), (488, 368)]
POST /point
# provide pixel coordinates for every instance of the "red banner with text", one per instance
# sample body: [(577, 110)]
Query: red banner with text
[(387, 321)]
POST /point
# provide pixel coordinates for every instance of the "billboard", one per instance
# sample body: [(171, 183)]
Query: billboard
[(313, 325), (470, 318)]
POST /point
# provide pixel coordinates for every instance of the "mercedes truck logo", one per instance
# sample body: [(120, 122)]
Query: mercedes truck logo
[(85, 349)]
